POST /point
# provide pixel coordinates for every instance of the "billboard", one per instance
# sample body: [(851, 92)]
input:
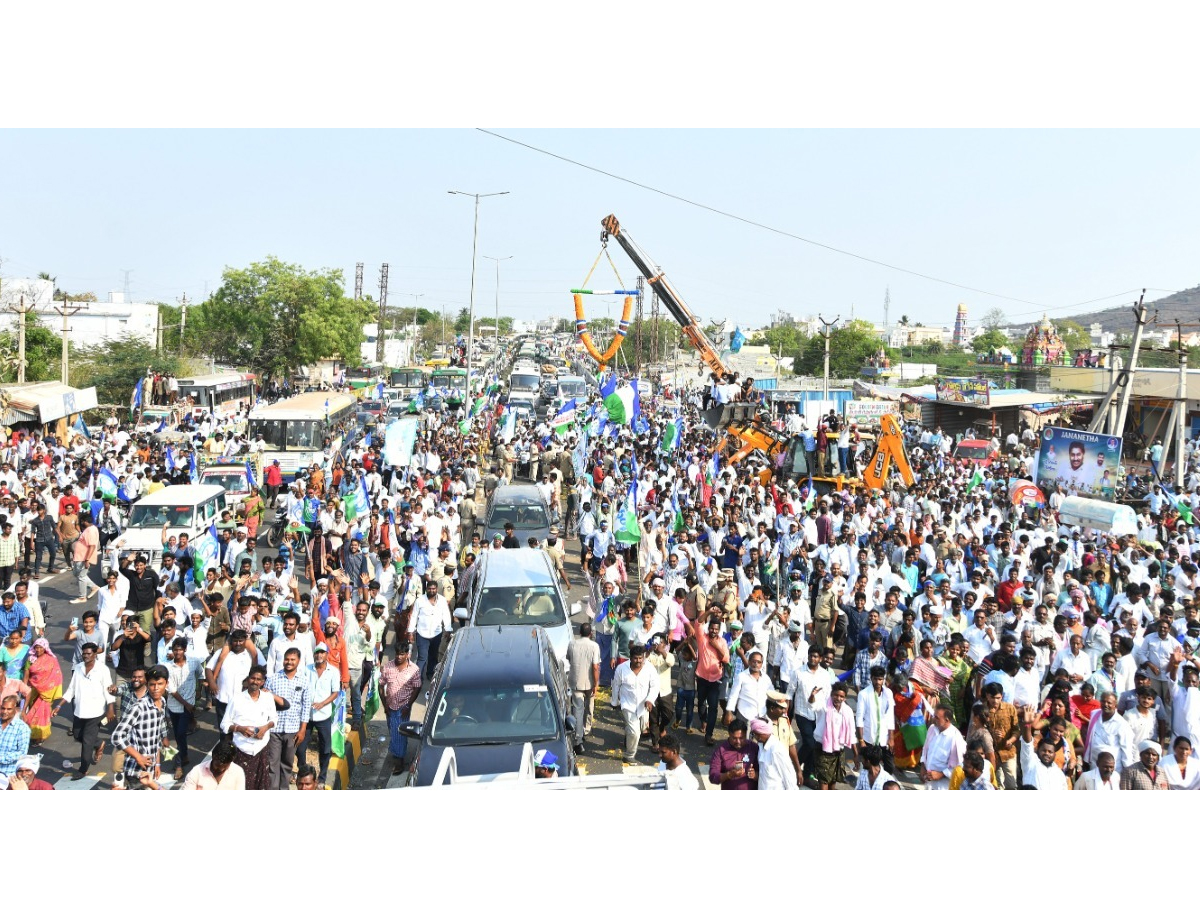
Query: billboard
[(1084, 463), (965, 391), (866, 413)]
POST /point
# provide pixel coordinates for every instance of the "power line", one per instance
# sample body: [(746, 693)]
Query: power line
[(780, 231)]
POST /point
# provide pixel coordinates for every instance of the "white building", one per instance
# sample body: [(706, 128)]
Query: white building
[(94, 324)]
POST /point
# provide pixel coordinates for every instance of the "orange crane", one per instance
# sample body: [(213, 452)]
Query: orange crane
[(742, 421)]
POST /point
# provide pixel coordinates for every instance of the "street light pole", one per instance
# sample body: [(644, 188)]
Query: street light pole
[(474, 247), (497, 260), (412, 344)]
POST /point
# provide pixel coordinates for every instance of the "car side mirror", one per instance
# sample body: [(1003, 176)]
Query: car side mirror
[(571, 724), (412, 729), (461, 614)]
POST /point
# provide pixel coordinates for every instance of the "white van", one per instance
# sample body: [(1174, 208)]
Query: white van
[(184, 508)]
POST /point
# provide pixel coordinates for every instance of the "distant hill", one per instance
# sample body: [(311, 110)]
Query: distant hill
[(1184, 306)]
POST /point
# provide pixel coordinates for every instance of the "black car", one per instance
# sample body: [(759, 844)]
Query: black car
[(498, 688)]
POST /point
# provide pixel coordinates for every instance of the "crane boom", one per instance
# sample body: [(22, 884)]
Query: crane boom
[(671, 300)]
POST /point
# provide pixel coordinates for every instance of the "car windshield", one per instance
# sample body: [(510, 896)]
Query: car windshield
[(155, 515), (973, 452), (525, 516), (524, 382), (536, 605), (572, 389), (508, 715), (233, 482)]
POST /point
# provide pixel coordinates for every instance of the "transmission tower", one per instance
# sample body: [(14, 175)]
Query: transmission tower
[(358, 275), (383, 273), (887, 302)]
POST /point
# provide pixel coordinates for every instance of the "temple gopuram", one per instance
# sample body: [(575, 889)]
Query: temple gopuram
[(1043, 346)]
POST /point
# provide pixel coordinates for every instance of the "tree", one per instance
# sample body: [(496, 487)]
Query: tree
[(991, 340), (904, 320), (994, 320), (1074, 335), (273, 317), (932, 345), (849, 348), (115, 366), (43, 351)]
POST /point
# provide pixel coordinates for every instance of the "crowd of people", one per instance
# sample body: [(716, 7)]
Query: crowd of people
[(932, 634), (929, 634)]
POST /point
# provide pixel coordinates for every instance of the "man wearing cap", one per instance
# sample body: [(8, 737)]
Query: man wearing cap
[(545, 764), (777, 716), (325, 685)]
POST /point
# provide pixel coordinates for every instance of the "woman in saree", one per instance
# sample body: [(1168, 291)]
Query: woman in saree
[(255, 511), (1181, 768), (908, 740), (955, 659), (13, 654), (44, 677)]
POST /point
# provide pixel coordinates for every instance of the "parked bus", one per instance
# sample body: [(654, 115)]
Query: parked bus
[(303, 428), (220, 394), (450, 380), (365, 376), (409, 381)]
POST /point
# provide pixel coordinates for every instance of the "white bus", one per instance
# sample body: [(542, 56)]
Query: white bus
[(303, 428), (221, 394)]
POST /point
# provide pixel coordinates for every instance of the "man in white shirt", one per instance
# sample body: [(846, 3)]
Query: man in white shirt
[(943, 752), (88, 693), (679, 776), (634, 690), (286, 640), (1039, 769), (875, 716), (1108, 731), (228, 667), (775, 770), (1075, 661), (1102, 777), (809, 691)]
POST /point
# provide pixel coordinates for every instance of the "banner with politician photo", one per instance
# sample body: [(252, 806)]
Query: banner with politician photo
[(1082, 463)]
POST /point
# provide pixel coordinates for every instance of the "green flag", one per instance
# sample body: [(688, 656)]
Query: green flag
[(337, 741), (371, 700), (1185, 511), (976, 480)]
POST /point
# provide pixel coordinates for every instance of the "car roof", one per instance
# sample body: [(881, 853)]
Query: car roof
[(520, 567), (973, 443), (518, 493), (181, 493), (487, 655)]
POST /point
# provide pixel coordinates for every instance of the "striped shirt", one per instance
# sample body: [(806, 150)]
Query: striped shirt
[(297, 692)]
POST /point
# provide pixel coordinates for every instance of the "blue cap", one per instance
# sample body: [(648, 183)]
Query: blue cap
[(544, 759)]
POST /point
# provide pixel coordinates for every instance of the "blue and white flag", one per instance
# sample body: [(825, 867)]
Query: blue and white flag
[(136, 403), (250, 479), (170, 457), (106, 484), (193, 475)]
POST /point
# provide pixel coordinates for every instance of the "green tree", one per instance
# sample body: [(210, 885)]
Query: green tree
[(991, 340), (849, 348), (43, 351), (1074, 335), (932, 345), (273, 317), (115, 366)]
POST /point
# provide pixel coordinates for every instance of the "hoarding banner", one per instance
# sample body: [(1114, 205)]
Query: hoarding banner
[(966, 391), (1084, 463), (866, 413)]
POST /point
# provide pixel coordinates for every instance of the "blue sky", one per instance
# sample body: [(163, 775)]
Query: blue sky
[(1055, 218)]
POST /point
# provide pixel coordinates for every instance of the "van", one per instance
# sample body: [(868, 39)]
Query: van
[(521, 587), (183, 508)]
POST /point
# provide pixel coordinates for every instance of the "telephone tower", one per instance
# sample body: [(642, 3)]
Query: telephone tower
[(383, 273), (358, 276)]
